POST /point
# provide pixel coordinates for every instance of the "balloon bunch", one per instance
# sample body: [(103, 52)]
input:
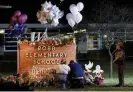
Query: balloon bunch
[(75, 15), (17, 21), (49, 14)]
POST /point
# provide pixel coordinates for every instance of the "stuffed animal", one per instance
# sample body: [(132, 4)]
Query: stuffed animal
[(89, 66), (89, 79), (98, 75)]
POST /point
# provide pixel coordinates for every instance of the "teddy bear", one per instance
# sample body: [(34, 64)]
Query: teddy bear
[(98, 75)]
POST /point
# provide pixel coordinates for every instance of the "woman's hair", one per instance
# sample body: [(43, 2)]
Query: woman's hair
[(121, 44), (72, 61), (63, 61)]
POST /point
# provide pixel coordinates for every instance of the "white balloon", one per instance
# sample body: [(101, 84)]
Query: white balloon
[(70, 15), (80, 6), (71, 22), (73, 8), (78, 18), (72, 5)]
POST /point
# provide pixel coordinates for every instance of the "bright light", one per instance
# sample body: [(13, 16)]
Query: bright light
[(66, 36), (75, 32), (83, 30), (69, 33), (2, 31), (105, 36)]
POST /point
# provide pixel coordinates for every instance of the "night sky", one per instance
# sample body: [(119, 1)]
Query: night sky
[(30, 7)]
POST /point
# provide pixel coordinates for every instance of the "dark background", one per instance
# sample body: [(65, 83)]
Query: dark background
[(30, 7)]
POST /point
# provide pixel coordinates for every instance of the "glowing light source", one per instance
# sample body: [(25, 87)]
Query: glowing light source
[(105, 36), (2, 31)]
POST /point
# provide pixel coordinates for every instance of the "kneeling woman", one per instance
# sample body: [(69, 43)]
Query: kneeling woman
[(62, 72)]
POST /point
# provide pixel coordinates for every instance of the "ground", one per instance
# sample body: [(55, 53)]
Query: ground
[(107, 84)]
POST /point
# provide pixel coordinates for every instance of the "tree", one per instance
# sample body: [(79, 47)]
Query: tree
[(106, 13)]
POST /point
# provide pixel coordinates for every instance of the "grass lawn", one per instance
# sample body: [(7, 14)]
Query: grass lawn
[(107, 84)]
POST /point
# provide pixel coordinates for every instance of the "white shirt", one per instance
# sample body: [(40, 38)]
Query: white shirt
[(63, 68)]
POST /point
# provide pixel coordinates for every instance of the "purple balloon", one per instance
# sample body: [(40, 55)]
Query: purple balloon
[(13, 19), (21, 19), (25, 17), (17, 13)]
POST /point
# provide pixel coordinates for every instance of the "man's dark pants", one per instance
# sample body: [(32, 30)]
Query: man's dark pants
[(120, 74), (77, 83)]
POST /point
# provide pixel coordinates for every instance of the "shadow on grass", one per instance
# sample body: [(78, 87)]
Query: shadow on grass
[(88, 88), (108, 85)]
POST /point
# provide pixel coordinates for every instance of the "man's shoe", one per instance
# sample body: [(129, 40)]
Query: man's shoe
[(118, 85), (121, 86)]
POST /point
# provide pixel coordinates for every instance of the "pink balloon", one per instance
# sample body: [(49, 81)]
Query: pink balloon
[(17, 13), (21, 19), (25, 17), (13, 19)]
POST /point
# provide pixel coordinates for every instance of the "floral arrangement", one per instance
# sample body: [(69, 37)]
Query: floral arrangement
[(25, 79), (49, 14), (17, 79), (76, 32), (55, 41), (48, 77)]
